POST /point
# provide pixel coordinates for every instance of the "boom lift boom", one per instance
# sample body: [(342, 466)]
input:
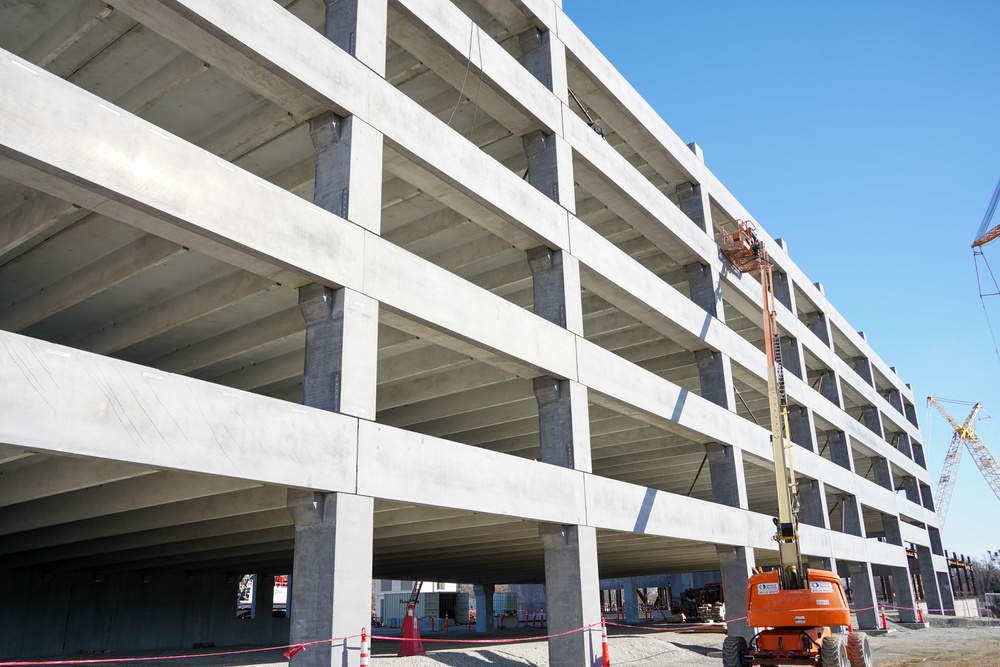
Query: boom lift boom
[(795, 606)]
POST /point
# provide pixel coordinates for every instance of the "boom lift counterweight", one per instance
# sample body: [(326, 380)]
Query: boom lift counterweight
[(795, 606)]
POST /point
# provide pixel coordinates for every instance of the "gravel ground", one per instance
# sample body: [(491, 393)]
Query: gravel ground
[(948, 643)]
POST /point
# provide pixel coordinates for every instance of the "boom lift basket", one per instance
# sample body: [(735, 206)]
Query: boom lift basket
[(740, 244)]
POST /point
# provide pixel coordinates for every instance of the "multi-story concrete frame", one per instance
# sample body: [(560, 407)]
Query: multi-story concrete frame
[(357, 288)]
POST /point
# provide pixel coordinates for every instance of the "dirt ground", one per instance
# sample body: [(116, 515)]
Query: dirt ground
[(948, 643), (939, 647)]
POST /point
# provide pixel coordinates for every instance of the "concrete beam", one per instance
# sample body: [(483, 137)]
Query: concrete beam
[(467, 43), (267, 330), (70, 28), (450, 67), (171, 314), (184, 514), (128, 494), (64, 475), (125, 412), (36, 217), (102, 274), (155, 537)]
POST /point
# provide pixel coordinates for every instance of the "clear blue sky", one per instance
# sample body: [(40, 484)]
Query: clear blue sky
[(866, 135)]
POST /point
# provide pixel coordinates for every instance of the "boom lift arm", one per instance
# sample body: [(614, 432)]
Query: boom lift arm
[(797, 608), (741, 247)]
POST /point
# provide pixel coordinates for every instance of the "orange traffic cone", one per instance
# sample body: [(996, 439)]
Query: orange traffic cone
[(411, 644)]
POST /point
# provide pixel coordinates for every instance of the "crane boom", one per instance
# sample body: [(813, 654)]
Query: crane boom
[(963, 433)]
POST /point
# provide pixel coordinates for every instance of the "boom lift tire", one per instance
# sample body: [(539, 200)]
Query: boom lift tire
[(833, 653), (858, 650), (734, 652)]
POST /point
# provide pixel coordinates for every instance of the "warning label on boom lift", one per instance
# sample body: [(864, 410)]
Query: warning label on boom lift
[(767, 589)]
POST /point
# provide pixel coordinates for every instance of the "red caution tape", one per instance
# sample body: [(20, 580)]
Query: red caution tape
[(294, 651)]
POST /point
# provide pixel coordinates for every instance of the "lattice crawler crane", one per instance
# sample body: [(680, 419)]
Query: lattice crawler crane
[(963, 434), (796, 607)]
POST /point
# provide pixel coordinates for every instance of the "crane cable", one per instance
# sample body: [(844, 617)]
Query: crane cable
[(978, 252)]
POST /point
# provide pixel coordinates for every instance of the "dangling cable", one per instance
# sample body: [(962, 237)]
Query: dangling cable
[(982, 297), (475, 110), (468, 66)]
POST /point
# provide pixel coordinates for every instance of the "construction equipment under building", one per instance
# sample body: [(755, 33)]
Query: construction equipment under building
[(796, 605)]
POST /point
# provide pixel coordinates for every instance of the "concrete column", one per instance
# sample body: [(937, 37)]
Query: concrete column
[(341, 350), (863, 367), (631, 601), (890, 526), (905, 599), (572, 594), (564, 426), (572, 588), (715, 372), (801, 430), (813, 510), (947, 596), (333, 559), (783, 291), (840, 449), (544, 56), (556, 288), (359, 27), (926, 496), (736, 564), (791, 357), (903, 443), (550, 167), (729, 487), (705, 287), (829, 388), (260, 605), (334, 531), (725, 465), (896, 400), (693, 202), (348, 168), (935, 539), (851, 521), (872, 420), (883, 473), (484, 607), (912, 488), (863, 587), (929, 580), (820, 326)]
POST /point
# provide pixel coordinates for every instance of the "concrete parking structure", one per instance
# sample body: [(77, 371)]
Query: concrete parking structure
[(408, 289)]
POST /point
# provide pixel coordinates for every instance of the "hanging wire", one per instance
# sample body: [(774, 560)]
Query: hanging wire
[(978, 252), (993, 423), (475, 105), (468, 66)]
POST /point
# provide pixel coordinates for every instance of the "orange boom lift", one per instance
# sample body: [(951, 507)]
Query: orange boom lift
[(795, 606)]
